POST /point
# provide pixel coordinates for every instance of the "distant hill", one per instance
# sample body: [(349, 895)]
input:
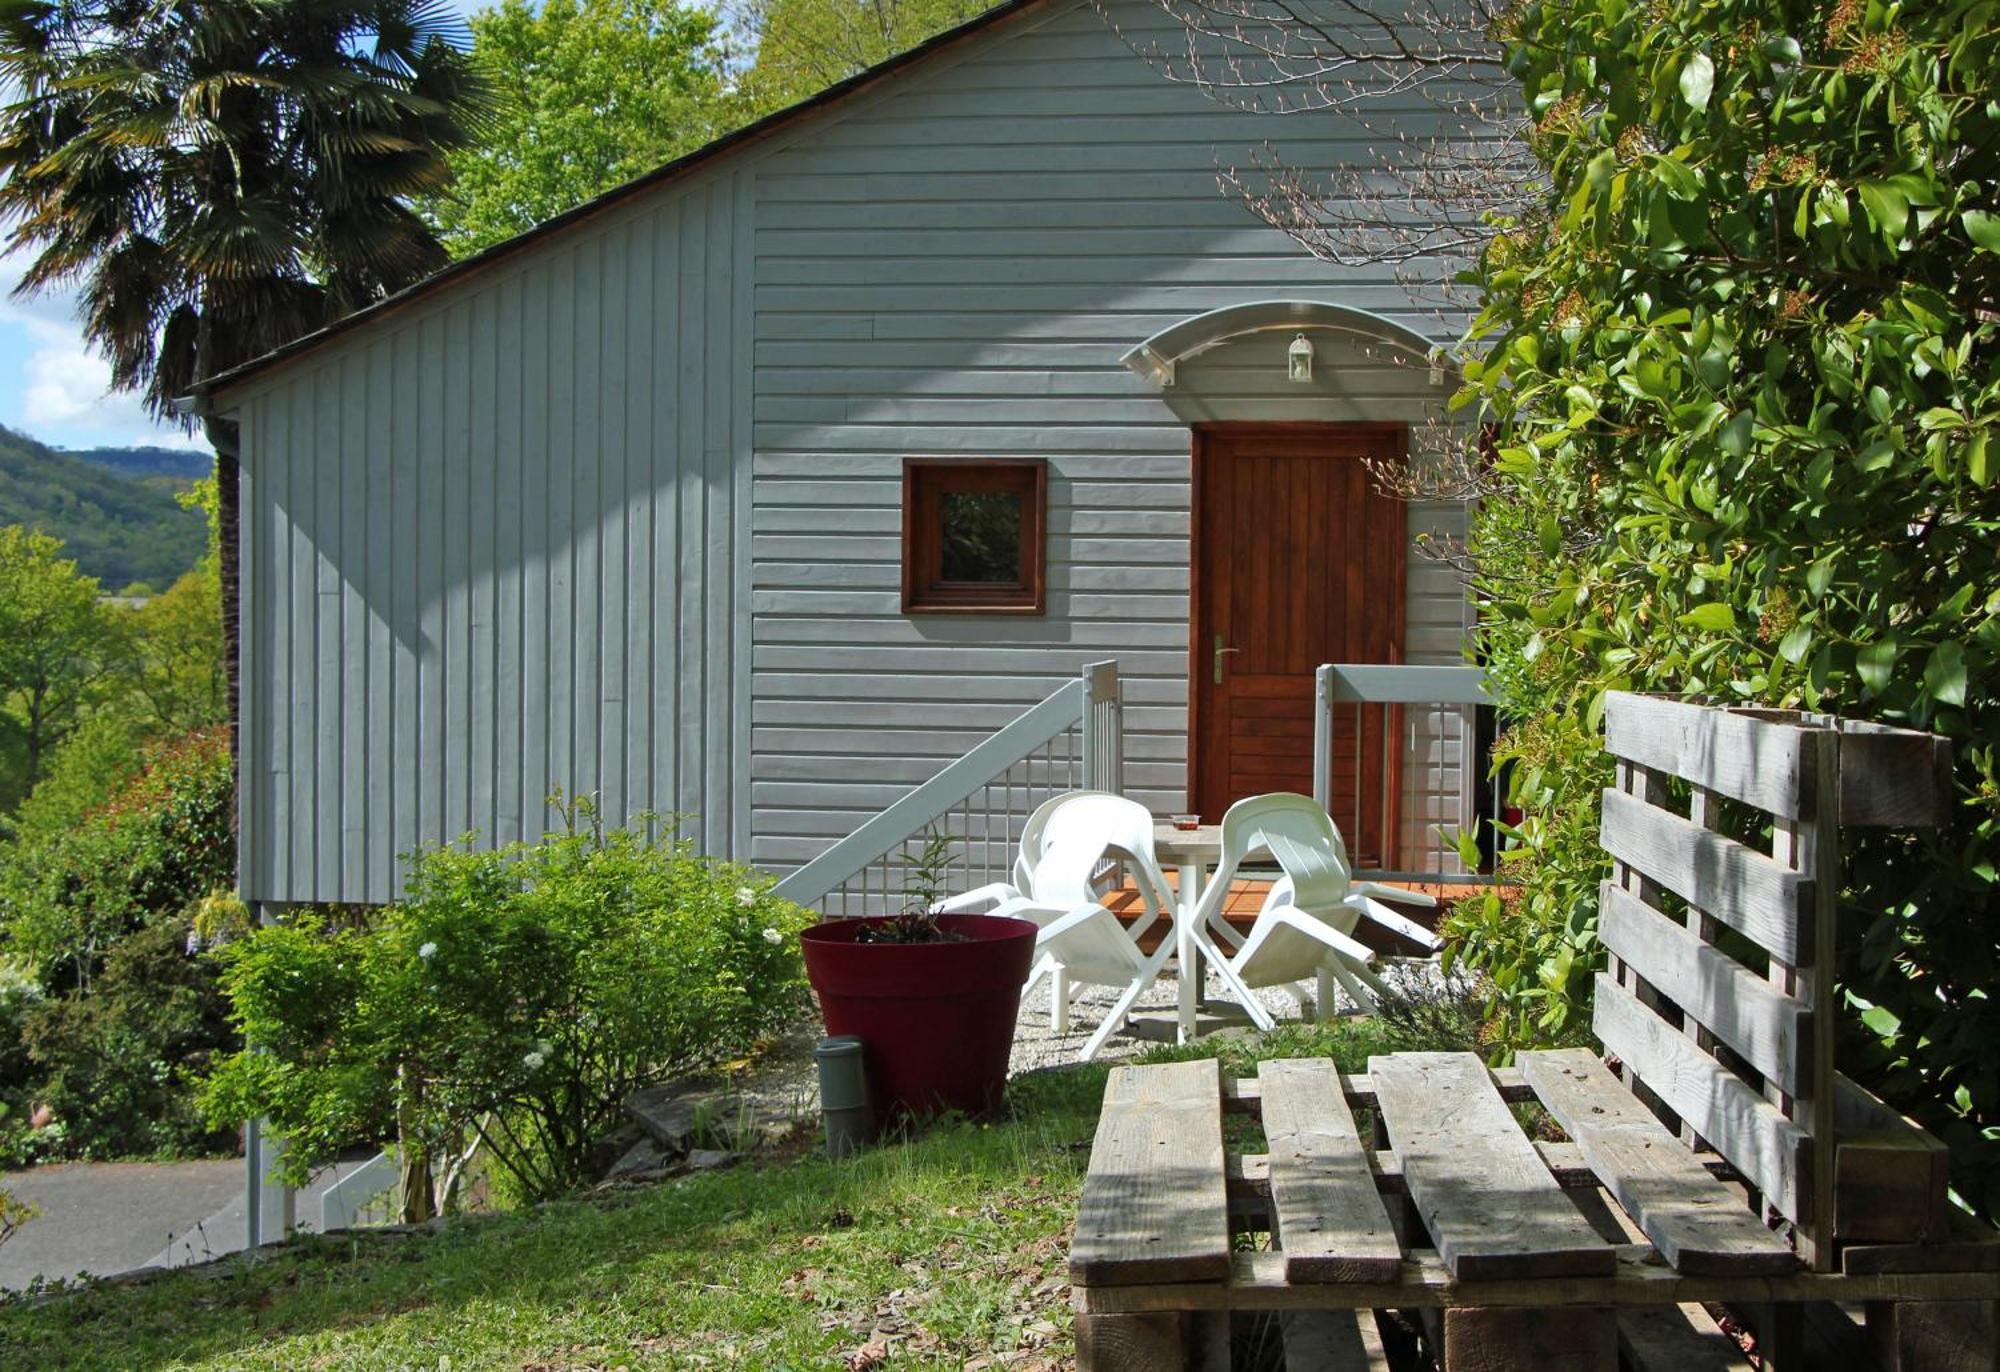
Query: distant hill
[(179, 464), (119, 529)]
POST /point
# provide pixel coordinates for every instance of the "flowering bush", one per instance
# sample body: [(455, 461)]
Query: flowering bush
[(513, 1000), (113, 1070), (1742, 366)]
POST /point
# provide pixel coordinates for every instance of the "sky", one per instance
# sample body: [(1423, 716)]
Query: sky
[(52, 387)]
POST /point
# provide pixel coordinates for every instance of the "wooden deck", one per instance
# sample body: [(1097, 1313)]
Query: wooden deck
[(1247, 896)]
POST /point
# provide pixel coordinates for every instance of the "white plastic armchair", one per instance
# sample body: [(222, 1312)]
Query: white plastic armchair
[(1088, 946), (1306, 925), (1082, 833), (1033, 837)]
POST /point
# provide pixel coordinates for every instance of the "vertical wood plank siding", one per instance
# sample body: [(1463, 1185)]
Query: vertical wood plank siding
[(621, 516), (493, 553)]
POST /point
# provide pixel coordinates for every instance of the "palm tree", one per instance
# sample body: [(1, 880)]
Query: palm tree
[(219, 177)]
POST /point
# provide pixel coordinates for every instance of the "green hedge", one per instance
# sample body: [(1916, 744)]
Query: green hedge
[(1744, 368)]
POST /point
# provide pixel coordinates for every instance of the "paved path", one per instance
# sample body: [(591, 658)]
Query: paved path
[(104, 1217), (107, 1217)]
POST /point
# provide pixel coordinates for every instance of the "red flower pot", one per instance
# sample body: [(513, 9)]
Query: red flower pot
[(935, 1020)]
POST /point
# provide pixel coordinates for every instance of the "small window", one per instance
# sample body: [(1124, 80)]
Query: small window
[(973, 536)]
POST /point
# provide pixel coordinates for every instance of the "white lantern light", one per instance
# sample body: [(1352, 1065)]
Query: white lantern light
[(1301, 357)]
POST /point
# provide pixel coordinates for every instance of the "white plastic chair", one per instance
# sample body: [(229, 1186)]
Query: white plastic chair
[(996, 893), (1082, 942), (1082, 831), (1306, 925)]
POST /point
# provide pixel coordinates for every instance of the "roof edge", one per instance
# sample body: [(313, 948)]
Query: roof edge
[(208, 392)]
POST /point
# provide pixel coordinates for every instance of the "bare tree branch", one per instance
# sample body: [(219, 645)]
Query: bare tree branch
[(1441, 151)]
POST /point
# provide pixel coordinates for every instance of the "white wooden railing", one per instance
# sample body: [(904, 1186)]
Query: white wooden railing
[(1072, 740), (343, 1204), (1422, 723)]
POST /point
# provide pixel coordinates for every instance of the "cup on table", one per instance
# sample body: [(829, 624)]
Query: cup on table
[(1186, 821)]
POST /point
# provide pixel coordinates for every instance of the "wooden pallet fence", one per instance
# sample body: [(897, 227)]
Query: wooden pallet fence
[(1719, 998)]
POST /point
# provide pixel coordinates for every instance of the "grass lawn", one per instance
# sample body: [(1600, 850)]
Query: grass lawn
[(945, 1250)]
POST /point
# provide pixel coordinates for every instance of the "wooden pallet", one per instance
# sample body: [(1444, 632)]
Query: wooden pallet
[(1414, 1187)]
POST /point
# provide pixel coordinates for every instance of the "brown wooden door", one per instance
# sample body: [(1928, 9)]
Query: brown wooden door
[(1298, 560)]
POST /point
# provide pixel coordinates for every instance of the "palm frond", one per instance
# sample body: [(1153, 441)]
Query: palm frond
[(220, 175)]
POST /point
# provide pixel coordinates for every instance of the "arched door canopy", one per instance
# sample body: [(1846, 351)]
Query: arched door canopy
[(1156, 358)]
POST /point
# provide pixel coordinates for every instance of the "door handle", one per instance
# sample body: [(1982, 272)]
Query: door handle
[(1220, 653)]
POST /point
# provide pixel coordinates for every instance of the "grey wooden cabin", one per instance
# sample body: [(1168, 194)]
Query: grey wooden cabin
[(619, 507)]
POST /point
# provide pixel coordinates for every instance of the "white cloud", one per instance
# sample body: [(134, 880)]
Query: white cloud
[(65, 394)]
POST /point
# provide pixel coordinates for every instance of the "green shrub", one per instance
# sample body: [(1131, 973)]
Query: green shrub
[(514, 998), (1534, 939), (69, 892), (1743, 365), (117, 1066), (20, 996), (99, 758)]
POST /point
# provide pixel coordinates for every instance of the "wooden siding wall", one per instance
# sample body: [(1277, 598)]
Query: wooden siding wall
[(956, 271), (492, 552), (620, 515)]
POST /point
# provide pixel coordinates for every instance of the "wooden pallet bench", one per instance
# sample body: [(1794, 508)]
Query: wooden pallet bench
[(1722, 1160), (1458, 1211)]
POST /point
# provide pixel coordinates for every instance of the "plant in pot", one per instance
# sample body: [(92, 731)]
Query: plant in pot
[(933, 998)]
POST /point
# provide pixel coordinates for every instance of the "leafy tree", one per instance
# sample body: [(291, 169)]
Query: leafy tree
[(804, 46), (592, 93), (223, 176), (176, 659), (92, 765), (1745, 365), (57, 646)]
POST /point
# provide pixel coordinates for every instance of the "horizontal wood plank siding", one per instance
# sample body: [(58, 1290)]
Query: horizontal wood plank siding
[(956, 271)]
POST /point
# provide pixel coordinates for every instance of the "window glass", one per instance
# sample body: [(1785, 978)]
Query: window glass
[(981, 537)]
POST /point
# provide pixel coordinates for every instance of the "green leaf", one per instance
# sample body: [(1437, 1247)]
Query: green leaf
[(1783, 49), (1877, 455), (1819, 576), (1944, 674), (1551, 537), (1796, 643), (1715, 617), (1734, 437), (1874, 664), (1887, 206), (1679, 179), (1882, 1021), (1698, 80), (1982, 228)]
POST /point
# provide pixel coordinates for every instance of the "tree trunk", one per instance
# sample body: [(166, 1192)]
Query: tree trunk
[(413, 1188)]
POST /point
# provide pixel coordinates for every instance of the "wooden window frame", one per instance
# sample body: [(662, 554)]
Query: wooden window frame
[(925, 482)]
